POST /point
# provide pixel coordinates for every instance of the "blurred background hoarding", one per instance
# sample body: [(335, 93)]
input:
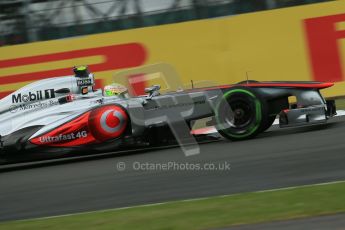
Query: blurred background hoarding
[(221, 40), (24, 21)]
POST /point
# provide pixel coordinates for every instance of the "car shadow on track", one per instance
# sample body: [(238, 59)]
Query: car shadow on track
[(90, 156)]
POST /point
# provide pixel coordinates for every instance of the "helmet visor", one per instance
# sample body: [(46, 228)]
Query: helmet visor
[(111, 92)]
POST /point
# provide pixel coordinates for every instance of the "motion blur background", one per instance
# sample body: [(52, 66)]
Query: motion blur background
[(23, 21), (222, 40)]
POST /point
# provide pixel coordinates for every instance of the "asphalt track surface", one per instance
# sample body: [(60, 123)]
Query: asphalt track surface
[(277, 158)]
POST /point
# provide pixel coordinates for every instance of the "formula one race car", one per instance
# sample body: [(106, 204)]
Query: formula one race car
[(67, 114)]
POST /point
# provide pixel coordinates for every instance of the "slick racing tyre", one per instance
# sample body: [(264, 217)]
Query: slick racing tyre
[(241, 114)]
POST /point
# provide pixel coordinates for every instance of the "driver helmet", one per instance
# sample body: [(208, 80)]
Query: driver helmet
[(115, 89)]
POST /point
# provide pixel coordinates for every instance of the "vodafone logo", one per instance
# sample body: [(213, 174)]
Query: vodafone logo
[(108, 122), (114, 118)]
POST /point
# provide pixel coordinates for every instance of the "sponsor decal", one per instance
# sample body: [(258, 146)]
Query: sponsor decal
[(106, 118), (73, 133), (63, 137), (108, 122), (84, 82), (33, 96), (84, 90), (102, 124), (33, 106)]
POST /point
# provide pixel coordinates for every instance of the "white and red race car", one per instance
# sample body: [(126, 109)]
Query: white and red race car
[(66, 114)]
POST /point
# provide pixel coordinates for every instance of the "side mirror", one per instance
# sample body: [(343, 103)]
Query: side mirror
[(153, 91)]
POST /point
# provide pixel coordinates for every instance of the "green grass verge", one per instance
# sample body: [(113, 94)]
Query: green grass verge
[(207, 213)]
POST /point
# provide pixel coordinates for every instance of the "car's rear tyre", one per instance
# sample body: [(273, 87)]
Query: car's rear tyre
[(247, 117)]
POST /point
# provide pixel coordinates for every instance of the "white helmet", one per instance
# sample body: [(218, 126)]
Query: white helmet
[(115, 89)]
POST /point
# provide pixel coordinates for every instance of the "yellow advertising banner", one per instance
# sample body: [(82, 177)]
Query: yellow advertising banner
[(297, 44)]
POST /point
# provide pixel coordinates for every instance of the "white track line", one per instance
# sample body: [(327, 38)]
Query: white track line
[(182, 201)]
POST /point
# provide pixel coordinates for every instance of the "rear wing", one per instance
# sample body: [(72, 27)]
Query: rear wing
[(305, 85)]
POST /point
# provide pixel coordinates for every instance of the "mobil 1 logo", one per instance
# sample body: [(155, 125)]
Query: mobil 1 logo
[(33, 96)]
